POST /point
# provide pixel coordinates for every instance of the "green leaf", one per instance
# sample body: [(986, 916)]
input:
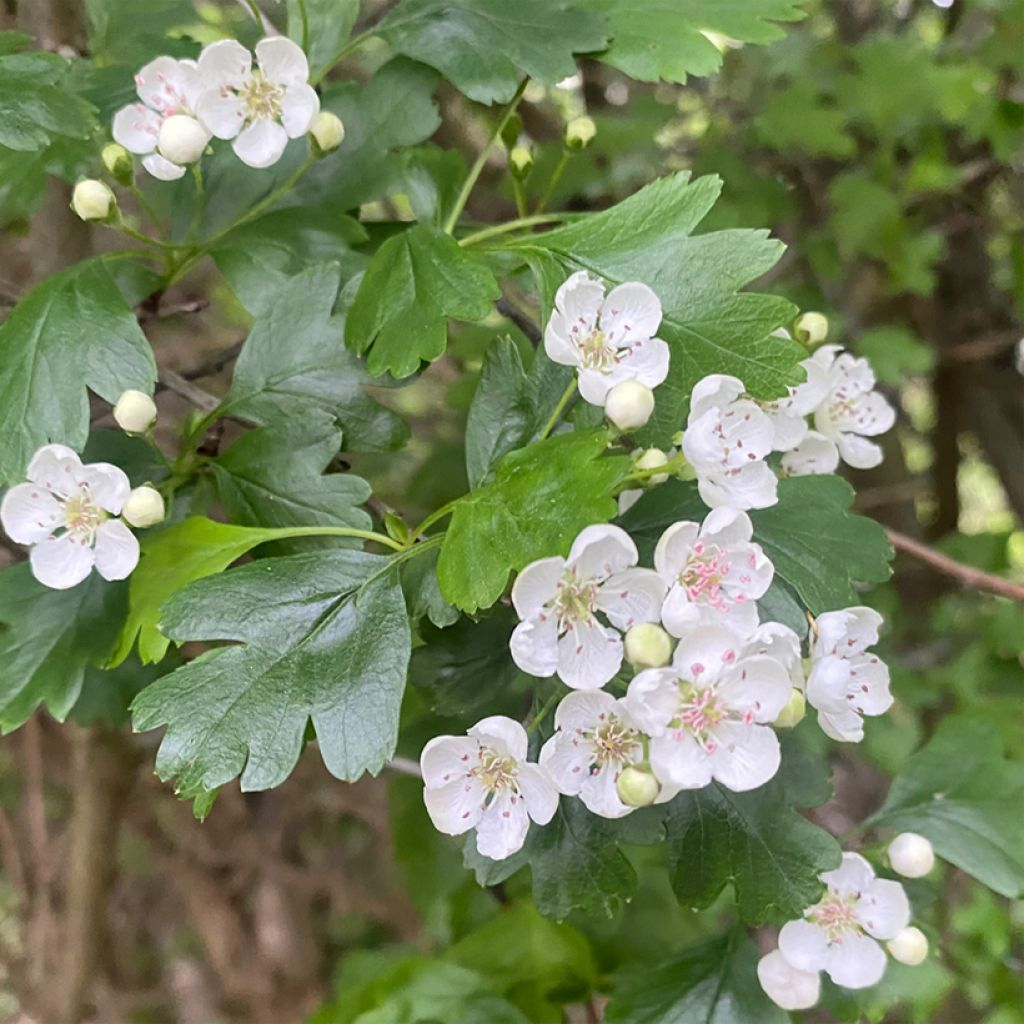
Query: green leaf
[(53, 636), (415, 281), (799, 118), (321, 636), (71, 332), (294, 363), (666, 39), (481, 46), (326, 23), (271, 476), (957, 792), (422, 593), (714, 983), (523, 515), (35, 108), (818, 547), (895, 353), (708, 326)]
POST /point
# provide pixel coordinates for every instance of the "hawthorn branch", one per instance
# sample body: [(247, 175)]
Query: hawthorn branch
[(512, 312), (966, 574)]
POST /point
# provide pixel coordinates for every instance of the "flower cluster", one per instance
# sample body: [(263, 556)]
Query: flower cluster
[(184, 103)]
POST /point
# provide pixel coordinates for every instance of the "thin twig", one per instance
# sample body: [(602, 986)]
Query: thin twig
[(173, 381), (404, 766), (519, 318), (966, 574)]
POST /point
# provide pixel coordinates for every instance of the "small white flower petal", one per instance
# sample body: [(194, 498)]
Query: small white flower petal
[(717, 390), (579, 299), (282, 61), (61, 562), (859, 452), (745, 756), (501, 734), (787, 987), (536, 585), (502, 828), (600, 796), (601, 550), (883, 908), (117, 550), (854, 876), (566, 762), (813, 456), (674, 548), (29, 513), (54, 466), (678, 761), (261, 144), (589, 655), (804, 945), (224, 63), (299, 105), (456, 807), (162, 168), (108, 485), (534, 646), (631, 596), (539, 792), (653, 698), (630, 313), (856, 962), (446, 758), (646, 362), (222, 114), (706, 654), (137, 128)]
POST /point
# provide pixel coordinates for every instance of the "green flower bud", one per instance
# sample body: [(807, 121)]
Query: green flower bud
[(637, 787), (579, 132), (520, 160), (327, 131), (811, 329), (118, 162), (648, 646), (793, 713), (651, 459)]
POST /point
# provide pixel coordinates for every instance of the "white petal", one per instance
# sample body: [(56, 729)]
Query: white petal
[(627, 499), (117, 550), (825, 356), (162, 168), (854, 876), (54, 466), (594, 385), (857, 961), (221, 114), (858, 452), (534, 646), (161, 85), (679, 615), (225, 63), (583, 709), (752, 486), (646, 362), (457, 807), (814, 455), (501, 734), (539, 792), (809, 395), (502, 828), (536, 585), (785, 985), (631, 596), (726, 526), (804, 945), (706, 654), (714, 391), (61, 562), (884, 909), (447, 758), (579, 298), (674, 548), (843, 726), (600, 796), (137, 128), (29, 513), (566, 762), (299, 105), (790, 429), (601, 550), (846, 631), (757, 685), (630, 313), (653, 699), (261, 144), (282, 61), (108, 485), (745, 756), (589, 656), (679, 761), (556, 341)]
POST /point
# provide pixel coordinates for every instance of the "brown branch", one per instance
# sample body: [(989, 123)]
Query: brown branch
[(171, 380), (966, 574)]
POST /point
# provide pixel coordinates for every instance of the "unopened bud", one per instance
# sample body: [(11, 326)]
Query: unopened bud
[(652, 459), (793, 713), (135, 412), (811, 329), (909, 946), (911, 855), (144, 507), (92, 200), (629, 405), (328, 131), (648, 646), (520, 159), (579, 132), (182, 139), (637, 787), (118, 162)]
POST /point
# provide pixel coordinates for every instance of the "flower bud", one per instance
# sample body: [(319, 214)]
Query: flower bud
[(793, 713), (579, 132), (118, 162), (182, 139), (92, 200), (811, 329), (135, 412), (648, 646), (629, 405), (520, 159), (144, 507), (637, 787), (911, 855), (909, 946), (328, 132), (651, 459)]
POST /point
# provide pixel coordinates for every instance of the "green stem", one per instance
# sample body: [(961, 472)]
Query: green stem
[(140, 237), (535, 722), (304, 16), (434, 517), (519, 193), (556, 177), (197, 213), (673, 466), (509, 226), (353, 44), (477, 168), (147, 207), (158, 450), (559, 409)]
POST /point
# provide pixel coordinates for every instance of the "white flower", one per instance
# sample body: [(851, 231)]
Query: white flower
[(483, 781), (789, 415), (713, 571), (260, 109), (852, 410), (559, 599), (846, 680), (167, 88), (726, 441), (65, 512), (594, 740), (838, 934), (815, 454), (707, 714), (609, 340), (785, 985), (911, 855)]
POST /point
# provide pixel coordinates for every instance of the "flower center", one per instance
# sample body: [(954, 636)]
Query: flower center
[(81, 516), (496, 772), (837, 915), (596, 353), (703, 574), (261, 98), (575, 600), (699, 712), (613, 742)]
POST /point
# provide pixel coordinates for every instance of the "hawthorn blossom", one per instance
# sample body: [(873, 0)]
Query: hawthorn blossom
[(483, 781), (846, 679), (851, 410), (837, 935), (708, 713), (788, 415), (595, 739), (609, 339), (66, 512), (558, 601), (261, 108), (167, 88), (727, 438), (713, 571)]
